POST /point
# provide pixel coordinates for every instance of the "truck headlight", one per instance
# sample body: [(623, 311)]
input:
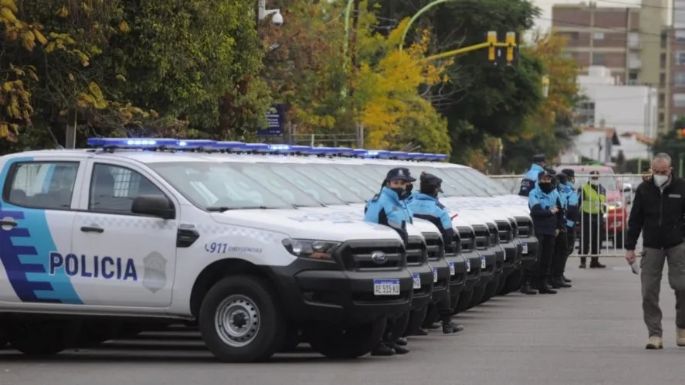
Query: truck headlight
[(311, 249)]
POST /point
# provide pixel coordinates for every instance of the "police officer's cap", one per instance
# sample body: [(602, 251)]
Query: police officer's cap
[(569, 172), (400, 173), (546, 172), (537, 158), (429, 181)]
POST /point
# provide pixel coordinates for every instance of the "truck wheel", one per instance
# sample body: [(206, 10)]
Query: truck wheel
[(345, 342), (239, 320), (514, 281), (39, 337)]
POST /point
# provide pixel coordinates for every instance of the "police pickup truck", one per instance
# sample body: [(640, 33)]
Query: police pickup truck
[(134, 229)]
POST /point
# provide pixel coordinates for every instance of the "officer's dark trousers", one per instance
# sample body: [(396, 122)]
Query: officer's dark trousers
[(591, 236), (546, 256), (560, 255), (395, 328)]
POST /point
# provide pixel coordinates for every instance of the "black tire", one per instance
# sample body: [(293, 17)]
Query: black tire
[(514, 281), (464, 301), (248, 301), (345, 342), (3, 337), (490, 290), (40, 337)]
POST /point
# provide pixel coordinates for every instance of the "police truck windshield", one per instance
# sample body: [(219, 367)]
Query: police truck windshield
[(218, 186)]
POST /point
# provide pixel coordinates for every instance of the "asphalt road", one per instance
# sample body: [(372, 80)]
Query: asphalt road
[(590, 334)]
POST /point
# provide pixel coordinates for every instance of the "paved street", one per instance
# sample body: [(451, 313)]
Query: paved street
[(591, 334)]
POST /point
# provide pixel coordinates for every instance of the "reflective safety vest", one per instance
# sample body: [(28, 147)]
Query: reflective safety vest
[(592, 200)]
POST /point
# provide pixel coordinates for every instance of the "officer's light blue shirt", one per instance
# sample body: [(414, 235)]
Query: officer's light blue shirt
[(386, 208), (569, 201), (530, 179), (540, 204), (425, 205)]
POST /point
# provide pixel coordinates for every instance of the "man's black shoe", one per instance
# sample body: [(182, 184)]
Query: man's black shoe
[(558, 283), (383, 350), (544, 289), (399, 349), (451, 327), (526, 289), (420, 332), (401, 341), (597, 265), (566, 279)]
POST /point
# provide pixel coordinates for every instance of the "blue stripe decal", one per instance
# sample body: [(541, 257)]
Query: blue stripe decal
[(24, 252)]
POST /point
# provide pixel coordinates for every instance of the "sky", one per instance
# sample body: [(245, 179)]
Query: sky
[(545, 21)]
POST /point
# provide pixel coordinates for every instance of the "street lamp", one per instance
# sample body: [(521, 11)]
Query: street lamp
[(263, 13)]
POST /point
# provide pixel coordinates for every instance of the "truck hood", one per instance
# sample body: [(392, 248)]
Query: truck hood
[(306, 224)]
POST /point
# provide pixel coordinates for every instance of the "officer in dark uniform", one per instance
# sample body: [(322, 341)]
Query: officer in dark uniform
[(389, 207), (545, 209), (531, 176), (425, 205), (566, 237)]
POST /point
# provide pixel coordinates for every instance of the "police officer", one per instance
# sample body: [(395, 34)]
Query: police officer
[(389, 207), (425, 205), (531, 176), (544, 203), (566, 238), (592, 197)]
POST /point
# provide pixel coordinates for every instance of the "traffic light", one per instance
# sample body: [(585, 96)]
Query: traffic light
[(511, 46), (492, 50)]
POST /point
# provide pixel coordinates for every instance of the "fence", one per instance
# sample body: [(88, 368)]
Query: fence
[(600, 234)]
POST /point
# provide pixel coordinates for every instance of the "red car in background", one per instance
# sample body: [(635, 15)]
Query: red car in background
[(616, 210)]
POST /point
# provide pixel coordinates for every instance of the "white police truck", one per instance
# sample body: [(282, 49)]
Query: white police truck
[(136, 230)]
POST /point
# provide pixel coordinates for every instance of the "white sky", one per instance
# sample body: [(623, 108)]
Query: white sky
[(545, 21)]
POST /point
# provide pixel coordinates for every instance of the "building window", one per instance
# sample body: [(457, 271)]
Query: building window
[(662, 60), (662, 79), (680, 79), (680, 58), (680, 36), (678, 100), (662, 100), (598, 36), (664, 39), (598, 59)]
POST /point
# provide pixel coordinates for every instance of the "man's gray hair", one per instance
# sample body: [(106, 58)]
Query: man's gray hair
[(662, 156)]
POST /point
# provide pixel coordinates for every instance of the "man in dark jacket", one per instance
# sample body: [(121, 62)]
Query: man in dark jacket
[(657, 212)]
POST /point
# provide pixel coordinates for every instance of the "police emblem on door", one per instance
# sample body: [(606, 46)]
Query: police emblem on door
[(154, 277)]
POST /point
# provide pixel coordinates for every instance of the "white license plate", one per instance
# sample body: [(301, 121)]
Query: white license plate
[(435, 275), (453, 271), (524, 248), (468, 265), (483, 264), (386, 287), (417, 280)]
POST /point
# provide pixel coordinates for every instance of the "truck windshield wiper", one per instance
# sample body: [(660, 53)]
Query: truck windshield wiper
[(219, 209)]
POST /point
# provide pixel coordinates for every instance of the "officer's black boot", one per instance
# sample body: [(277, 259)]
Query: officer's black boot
[(566, 279), (594, 263), (397, 348), (543, 288), (449, 327), (382, 349), (527, 289), (558, 283)]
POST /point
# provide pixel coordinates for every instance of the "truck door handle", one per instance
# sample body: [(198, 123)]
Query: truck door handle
[(92, 229)]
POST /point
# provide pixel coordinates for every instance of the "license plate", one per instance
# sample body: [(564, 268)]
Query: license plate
[(468, 265), (453, 271), (524, 248), (483, 264), (417, 280), (386, 287), (435, 275)]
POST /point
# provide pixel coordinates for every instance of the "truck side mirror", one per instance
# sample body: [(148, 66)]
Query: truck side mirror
[(154, 205)]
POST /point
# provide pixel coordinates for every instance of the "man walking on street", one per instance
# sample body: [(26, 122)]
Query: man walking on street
[(593, 196), (657, 213)]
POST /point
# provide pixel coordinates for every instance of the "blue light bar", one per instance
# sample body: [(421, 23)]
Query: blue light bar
[(280, 148), (229, 146), (128, 143), (381, 154), (300, 149), (194, 144), (256, 147), (441, 157), (416, 156)]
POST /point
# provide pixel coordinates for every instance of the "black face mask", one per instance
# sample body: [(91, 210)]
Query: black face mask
[(546, 187), (407, 191), (399, 191)]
